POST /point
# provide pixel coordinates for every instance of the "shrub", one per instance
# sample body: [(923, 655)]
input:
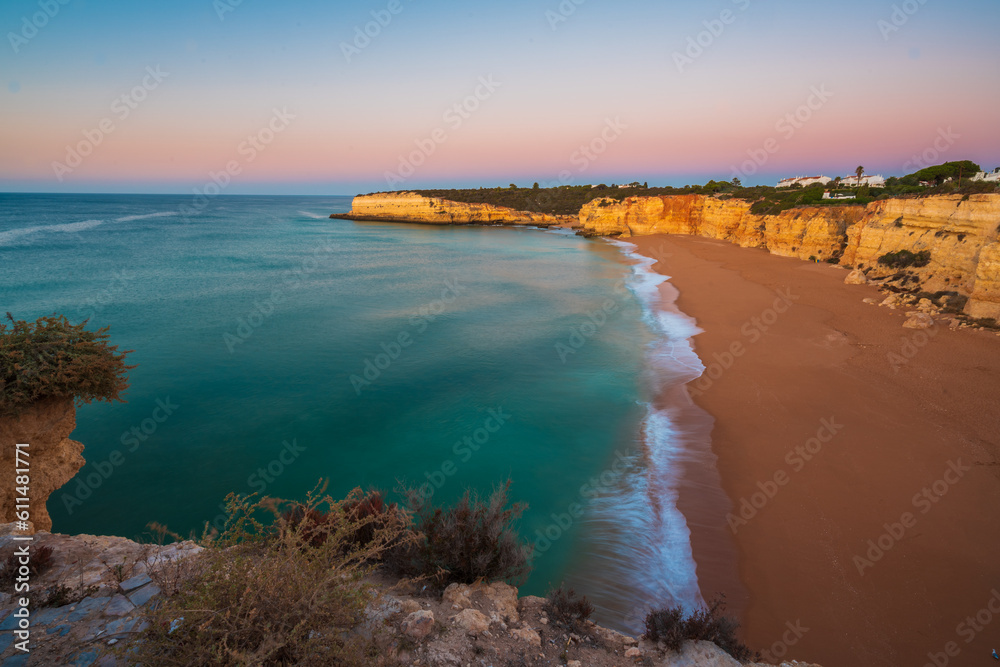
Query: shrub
[(566, 609), (51, 358), (904, 258), (39, 561), (367, 513), (471, 540), (673, 628), (272, 593)]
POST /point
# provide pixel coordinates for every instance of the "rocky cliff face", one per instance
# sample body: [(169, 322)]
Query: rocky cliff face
[(962, 235), (53, 458), (411, 207)]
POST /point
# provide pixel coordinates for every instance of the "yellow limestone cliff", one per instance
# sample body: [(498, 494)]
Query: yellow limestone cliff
[(412, 207), (962, 234), (53, 458)]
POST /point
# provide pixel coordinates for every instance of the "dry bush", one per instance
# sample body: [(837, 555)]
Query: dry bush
[(473, 539), (39, 561), (275, 591), (671, 627), (566, 609)]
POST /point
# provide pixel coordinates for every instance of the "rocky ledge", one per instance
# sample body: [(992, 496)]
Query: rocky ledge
[(92, 595)]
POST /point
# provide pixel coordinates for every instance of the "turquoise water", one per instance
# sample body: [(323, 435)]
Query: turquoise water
[(276, 347)]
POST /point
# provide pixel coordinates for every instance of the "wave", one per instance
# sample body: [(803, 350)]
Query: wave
[(637, 551), (314, 216), (68, 228), (672, 355), (7, 237), (161, 214)]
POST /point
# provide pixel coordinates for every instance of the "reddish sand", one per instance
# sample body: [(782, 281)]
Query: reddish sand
[(903, 429)]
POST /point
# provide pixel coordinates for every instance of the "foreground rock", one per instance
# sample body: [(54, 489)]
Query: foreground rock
[(107, 583), (90, 598)]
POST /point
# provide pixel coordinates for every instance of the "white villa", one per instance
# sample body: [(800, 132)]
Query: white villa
[(993, 176), (877, 181), (803, 181)]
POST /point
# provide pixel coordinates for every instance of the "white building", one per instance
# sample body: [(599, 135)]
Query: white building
[(877, 181), (993, 176), (803, 181)]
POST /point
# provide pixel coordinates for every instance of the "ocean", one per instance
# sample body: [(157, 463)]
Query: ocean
[(276, 347)]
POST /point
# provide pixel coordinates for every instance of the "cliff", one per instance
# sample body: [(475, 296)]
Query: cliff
[(411, 207), (52, 458), (961, 233)]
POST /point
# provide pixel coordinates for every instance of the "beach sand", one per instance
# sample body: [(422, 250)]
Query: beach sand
[(898, 450)]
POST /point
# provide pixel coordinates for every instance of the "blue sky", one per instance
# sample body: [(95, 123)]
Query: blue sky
[(562, 72)]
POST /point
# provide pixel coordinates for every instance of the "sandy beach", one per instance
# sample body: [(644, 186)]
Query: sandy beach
[(861, 459)]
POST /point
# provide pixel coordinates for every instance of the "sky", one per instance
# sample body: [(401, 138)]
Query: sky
[(320, 97)]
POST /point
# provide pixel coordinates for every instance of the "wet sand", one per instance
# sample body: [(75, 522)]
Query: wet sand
[(860, 458)]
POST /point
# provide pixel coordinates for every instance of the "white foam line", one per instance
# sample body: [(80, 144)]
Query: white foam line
[(161, 214), (69, 227), (662, 566)]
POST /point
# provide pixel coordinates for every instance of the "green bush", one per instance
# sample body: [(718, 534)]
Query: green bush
[(902, 259), (51, 358)]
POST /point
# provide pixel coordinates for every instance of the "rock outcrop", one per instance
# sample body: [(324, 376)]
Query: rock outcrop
[(412, 207), (801, 232), (96, 591), (91, 594), (53, 458), (961, 233)]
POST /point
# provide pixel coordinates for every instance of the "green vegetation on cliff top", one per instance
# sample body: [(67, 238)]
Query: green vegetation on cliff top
[(569, 199), (51, 358)]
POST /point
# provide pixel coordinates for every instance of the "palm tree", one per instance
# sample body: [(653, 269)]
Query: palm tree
[(860, 172)]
